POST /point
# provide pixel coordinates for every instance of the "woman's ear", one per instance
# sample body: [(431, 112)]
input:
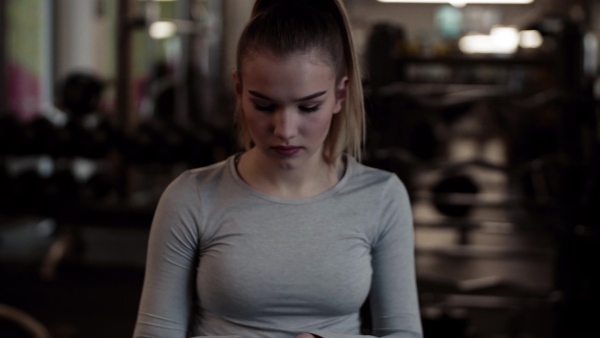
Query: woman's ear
[(340, 94)]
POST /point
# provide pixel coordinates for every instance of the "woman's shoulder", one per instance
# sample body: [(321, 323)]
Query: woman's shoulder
[(379, 183), (192, 181), (372, 176)]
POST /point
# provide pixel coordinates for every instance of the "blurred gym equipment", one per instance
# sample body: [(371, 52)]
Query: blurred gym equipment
[(448, 191), (548, 128), (15, 323), (79, 94)]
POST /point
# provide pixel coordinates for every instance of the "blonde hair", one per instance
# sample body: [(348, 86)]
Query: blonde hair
[(283, 27)]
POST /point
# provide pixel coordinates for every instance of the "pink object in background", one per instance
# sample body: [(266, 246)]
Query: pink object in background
[(23, 92)]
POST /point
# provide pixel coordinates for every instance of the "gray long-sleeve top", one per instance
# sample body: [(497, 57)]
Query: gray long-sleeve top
[(227, 260)]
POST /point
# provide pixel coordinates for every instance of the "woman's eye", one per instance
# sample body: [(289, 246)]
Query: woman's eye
[(310, 109), (267, 108)]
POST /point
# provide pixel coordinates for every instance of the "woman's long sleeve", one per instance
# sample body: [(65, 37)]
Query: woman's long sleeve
[(167, 294)]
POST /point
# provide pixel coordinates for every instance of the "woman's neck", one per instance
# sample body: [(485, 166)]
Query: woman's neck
[(305, 181)]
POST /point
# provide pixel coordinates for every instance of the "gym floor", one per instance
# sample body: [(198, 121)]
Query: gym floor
[(94, 295)]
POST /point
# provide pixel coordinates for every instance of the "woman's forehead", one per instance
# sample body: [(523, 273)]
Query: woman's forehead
[(287, 79)]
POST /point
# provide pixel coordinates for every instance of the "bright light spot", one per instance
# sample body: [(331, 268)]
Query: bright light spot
[(45, 166), (83, 169), (506, 38), (530, 39), (472, 44), (502, 40), (162, 30), (590, 54)]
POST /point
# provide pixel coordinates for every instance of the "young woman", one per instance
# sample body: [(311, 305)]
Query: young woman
[(289, 237)]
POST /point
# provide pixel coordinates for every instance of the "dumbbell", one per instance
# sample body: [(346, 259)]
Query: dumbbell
[(454, 184), (44, 137), (114, 136), (103, 136), (139, 148), (156, 143), (100, 185), (94, 144), (13, 136), (27, 190), (62, 187), (168, 143), (79, 141)]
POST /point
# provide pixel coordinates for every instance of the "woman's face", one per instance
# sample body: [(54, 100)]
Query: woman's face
[(288, 104)]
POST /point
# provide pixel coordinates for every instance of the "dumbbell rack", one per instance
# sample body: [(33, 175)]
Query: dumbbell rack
[(534, 211), (96, 176)]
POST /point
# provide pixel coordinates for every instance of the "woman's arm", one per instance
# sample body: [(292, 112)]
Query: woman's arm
[(171, 264), (394, 297)]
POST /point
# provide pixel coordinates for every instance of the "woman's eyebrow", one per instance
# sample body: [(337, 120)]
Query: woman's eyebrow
[(306, 98)]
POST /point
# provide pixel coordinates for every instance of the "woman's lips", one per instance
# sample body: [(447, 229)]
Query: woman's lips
[(286, 150)]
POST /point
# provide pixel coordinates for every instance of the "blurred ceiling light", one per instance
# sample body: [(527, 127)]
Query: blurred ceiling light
[(472, 44), (458, 3), (530, 39), (462, 2), (162, 29), (502, 40), (506, 38)]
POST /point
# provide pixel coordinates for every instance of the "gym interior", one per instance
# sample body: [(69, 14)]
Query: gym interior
[(487, 111)]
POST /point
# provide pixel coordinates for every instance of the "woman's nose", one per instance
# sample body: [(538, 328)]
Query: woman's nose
[(285, 125)]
